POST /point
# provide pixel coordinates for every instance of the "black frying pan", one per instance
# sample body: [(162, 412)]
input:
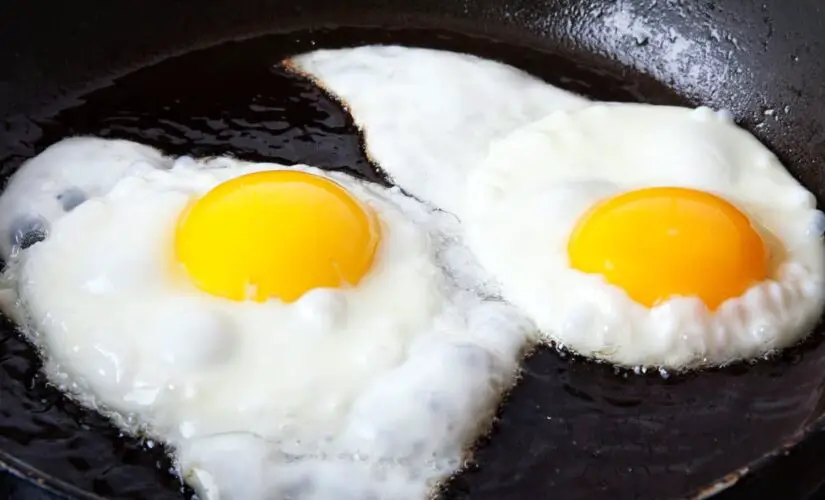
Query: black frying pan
[(571, 429)]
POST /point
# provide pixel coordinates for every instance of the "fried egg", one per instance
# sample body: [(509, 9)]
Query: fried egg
[(427, 115), (289, 333), (649, 235)]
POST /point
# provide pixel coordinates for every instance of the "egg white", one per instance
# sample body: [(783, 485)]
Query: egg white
[(61, 177), (524, 200), (377, 389), (427, 115)]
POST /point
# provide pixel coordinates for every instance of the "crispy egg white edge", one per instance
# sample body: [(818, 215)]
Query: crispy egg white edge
[(428, 115), (505, 347), (524, 201)]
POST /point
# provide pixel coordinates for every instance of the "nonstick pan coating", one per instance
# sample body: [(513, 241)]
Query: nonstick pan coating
[(598, 434)]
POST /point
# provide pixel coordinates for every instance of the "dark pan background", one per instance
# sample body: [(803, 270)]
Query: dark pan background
[(747, 56)]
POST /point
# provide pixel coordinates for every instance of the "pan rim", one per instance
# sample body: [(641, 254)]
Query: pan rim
[(33, 476), (758, 464)]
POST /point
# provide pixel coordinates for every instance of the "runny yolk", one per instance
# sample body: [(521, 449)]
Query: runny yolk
[(661, 242), (276, 234)]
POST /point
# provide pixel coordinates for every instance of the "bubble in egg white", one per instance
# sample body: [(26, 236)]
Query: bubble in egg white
[(71, 198), (186, 162), (28, 230), (202, 337), (816, 227), (322, 309)]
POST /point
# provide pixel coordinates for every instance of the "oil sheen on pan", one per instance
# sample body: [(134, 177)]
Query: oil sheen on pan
[(570, 427)]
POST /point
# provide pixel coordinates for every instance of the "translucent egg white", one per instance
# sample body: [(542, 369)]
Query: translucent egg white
[(427, 115)]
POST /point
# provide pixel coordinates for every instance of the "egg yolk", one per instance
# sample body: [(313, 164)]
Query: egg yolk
[(661, 242), (276, 234)]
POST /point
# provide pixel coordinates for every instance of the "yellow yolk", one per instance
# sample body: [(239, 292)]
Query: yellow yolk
[(276, 234), (657, 243)]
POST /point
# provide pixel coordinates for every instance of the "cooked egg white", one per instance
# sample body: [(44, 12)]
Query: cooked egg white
[(372, 389), (60, 178), (428, 116), (649, 235)]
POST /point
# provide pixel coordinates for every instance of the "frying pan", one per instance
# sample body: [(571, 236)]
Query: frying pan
[(571, 429)]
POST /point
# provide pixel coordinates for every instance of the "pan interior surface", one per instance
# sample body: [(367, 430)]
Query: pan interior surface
[(571, 429)]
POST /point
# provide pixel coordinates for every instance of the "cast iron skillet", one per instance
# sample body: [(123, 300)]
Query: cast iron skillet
[(571, 429)]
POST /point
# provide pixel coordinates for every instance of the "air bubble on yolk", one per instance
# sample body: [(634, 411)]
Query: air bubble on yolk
[(276, 234), (657, 243)]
